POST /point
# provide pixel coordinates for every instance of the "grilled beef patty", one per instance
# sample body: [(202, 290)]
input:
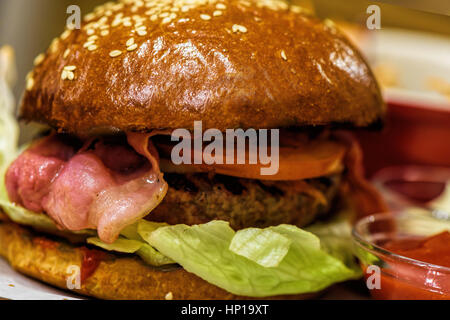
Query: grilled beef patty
[(199, 198)]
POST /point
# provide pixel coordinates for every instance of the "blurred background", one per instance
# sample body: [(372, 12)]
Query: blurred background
[(410, 56)]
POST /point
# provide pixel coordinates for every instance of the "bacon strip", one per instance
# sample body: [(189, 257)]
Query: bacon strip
[(106, 188), (364, 195)]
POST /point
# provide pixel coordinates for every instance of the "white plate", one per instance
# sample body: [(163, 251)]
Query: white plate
[(15, 286)]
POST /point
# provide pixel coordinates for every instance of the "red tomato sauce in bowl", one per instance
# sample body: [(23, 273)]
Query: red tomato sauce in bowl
[(412, 266)]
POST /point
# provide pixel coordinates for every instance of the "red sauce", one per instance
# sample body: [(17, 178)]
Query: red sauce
[(404, 280), (91, 261), (435, 249)]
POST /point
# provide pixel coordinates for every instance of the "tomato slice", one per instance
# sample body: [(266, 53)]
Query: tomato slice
[(298, 159)]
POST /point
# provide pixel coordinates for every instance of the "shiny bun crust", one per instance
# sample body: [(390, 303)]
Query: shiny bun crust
[(116, 278), (140, 65)]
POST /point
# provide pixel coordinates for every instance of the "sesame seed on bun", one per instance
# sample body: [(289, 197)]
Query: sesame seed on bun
[(161, 64)]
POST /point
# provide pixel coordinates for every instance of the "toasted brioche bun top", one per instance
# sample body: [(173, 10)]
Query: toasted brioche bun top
[(161, 64)]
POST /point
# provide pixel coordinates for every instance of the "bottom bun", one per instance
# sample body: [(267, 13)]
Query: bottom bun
[(117, 277)]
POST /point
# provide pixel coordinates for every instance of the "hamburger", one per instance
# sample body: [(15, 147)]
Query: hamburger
[(98, 192)]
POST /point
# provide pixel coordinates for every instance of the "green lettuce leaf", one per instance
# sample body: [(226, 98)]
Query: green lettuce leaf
[(336, 239), (131, 242), (147, 253), (204, 251), (131, 232), (123, 245), (23, 216), (9, 128), (120, 245), (146, 227), (152, 257), (9, 132), (263, 246)]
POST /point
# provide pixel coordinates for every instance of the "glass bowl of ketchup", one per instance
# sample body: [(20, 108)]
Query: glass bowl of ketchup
[(405, 255)]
